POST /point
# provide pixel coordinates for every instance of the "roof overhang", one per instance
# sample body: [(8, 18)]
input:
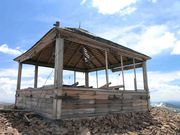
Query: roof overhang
[(42, 53)]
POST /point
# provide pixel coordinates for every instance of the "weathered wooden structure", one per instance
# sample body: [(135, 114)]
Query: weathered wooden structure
[(78, 50)]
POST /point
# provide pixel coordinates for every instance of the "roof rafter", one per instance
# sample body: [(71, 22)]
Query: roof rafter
[(95, 56)]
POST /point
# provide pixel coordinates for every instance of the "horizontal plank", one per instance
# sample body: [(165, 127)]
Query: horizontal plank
[(102, 110), (89, 115)]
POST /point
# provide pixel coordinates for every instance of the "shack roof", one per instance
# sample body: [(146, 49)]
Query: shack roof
[(83, 51)]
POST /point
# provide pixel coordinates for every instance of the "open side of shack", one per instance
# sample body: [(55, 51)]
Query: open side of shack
[(78, 50)]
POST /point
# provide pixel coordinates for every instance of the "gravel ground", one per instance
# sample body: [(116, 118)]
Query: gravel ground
[(159, 121)]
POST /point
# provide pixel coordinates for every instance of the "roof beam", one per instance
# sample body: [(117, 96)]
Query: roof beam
[(113, 66), (47, 39), (51, 65), (104, 57), (35, 51), (73, 54), (78, 61), (77, 38), (91, 52), (115, 57), (82, 39)]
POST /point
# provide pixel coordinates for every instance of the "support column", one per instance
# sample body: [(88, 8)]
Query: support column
[(97, 79), (86, 79), (107, 77), (135, 80), (19, 76), (18, 81), (145, 80), (58, 76), (74, 76), (36, 76), (122, 71)]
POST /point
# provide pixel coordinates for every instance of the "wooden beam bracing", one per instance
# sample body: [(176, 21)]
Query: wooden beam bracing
[(115, 57), (92, 53), (73, 54), (102, 55), (78, 62)]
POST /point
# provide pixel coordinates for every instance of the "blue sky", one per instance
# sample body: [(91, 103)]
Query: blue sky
[(149, 26)]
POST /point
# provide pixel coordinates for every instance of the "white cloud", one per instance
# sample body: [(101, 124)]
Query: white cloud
[(5, 49), (151, 40), (110, 7), (153, 1), (163, 86), (176, 50), (155, 39), (83, 1)]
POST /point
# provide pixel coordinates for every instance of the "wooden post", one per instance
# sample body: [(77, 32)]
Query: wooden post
[(86, 79), (18, 81), (19, 76), (97, 79), (122, 71), (135, 80), (74, 76), (58, 74), (145, 80), (106, 70), (36, 76), (58, 77)]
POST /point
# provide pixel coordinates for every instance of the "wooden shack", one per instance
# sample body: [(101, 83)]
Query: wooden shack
[(78, 50)]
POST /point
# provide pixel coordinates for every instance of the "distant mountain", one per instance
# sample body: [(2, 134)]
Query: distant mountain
[(5, 103), (171, 105)]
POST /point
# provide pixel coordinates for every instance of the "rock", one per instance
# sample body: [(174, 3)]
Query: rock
[(85, 131), (157, 121)]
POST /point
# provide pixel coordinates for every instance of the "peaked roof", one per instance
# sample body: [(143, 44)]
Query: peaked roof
[(79, 45)]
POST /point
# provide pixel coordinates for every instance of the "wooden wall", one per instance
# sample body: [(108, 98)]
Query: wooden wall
[(38, 100), (79, 102)]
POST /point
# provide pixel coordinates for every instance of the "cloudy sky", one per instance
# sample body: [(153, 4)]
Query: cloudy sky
[(149, 26)]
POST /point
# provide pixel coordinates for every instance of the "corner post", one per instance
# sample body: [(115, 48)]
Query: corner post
[(18, 81), (86, 79), (36, 76), (106, 70), (145, 80), (58, 76), (19, 76)]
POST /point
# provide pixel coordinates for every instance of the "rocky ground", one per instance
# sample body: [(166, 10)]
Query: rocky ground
[(158, 121)]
